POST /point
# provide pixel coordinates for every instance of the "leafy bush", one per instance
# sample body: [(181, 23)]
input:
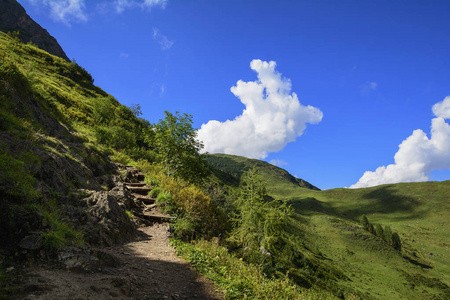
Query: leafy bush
[(115, 137), (155, 192), (165, 202), (103, 111), (188, 203), (175, 141)]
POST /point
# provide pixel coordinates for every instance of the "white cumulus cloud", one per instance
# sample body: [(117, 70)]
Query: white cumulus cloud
[(65, 11), (272, 118), (418, 155)]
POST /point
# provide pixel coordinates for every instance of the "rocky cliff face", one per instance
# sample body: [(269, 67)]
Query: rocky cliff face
[(13, 17)]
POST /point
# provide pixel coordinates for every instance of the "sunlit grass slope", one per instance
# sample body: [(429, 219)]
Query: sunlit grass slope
[(328, 221)]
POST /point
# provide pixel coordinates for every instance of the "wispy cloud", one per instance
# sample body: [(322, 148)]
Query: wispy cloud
[(162, 40), (162, 90), (368, 87), (272, 118), (65, 11), (278, 162), (124, 55), (69, 11), (121, 5), (418, 155)]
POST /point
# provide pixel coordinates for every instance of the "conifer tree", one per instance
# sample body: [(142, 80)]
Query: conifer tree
[(365, 222), (396, 242)]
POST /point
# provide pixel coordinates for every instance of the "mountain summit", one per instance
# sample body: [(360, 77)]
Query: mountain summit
[(13, 17)]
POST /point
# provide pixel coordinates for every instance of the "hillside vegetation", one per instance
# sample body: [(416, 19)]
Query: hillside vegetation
[(250, 226), (349, 260)]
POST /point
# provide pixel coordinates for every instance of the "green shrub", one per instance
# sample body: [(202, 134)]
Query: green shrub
[(103, 111), (142, 153), (121, 158), (155, 192), (165, 202), (115, 137)]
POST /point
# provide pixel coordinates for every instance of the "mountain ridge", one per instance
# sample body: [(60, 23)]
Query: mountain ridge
[(13, 17)]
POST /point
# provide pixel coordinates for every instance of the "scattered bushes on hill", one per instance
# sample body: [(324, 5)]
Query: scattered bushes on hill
[(392, 238)]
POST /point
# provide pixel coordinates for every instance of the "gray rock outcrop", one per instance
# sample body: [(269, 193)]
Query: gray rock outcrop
[(13, 17)]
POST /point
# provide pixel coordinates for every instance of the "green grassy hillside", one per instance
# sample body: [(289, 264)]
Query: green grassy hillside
[(328, 223), (229, 169), (327, 231)]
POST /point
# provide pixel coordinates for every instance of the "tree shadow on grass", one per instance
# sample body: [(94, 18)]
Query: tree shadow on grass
[(385, 199)]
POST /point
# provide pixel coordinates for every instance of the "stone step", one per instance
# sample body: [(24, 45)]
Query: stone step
[(140, 176)]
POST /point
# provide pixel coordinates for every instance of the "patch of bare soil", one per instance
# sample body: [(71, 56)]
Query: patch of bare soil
[(146, 268)]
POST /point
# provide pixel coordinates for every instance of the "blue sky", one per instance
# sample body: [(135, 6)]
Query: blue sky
[(350, 80)]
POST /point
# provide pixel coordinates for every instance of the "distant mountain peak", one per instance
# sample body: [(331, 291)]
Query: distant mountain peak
[(13, 17)]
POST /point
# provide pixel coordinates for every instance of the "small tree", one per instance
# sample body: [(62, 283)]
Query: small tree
[(379, 231), (365, 222), (176, 143), (259, 224), (387, 234)]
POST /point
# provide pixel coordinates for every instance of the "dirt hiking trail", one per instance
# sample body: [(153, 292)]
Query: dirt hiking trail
[(145, 268)]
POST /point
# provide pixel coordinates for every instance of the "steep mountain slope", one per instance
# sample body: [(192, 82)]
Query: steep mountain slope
[(63, 199), (13, 17)]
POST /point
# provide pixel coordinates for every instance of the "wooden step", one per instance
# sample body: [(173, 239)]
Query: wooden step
[(143, 190), (144, 199), (153, 217), (133, 184), (150, 207), (140, 176), (150, 216)]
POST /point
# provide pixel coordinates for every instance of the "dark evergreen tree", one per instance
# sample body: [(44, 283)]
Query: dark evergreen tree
[(365, 222), (379, 231), (396, 242)]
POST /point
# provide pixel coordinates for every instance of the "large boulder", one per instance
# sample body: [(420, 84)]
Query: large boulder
[(107, 223)]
